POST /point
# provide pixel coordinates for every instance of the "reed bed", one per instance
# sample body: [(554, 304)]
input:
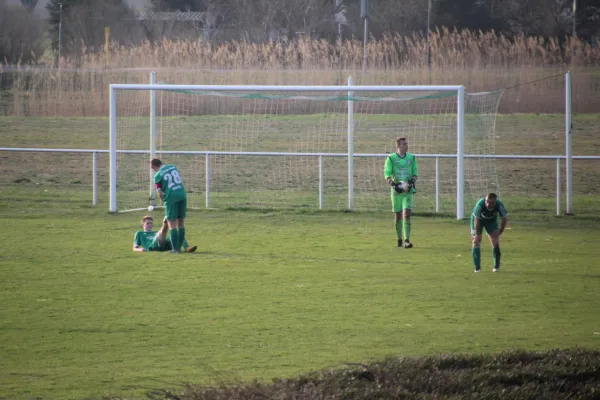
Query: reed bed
[(479, 60)]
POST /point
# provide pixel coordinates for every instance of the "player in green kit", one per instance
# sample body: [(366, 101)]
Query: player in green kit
[(148, 239), (485, 215), (169, 187), (400, 172)]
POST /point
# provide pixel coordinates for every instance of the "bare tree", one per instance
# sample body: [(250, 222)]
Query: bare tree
[(21, 35)]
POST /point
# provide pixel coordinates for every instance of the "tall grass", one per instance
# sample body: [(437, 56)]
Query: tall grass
[(449, 49), (479, 60)]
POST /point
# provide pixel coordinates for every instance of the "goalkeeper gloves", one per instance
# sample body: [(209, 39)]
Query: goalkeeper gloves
[(397, 187)]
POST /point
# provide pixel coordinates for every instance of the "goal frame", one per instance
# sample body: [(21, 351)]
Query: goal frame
[(350, 89)]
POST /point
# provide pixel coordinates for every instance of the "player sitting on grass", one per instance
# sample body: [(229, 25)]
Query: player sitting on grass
[(485, 215), (148, 240)]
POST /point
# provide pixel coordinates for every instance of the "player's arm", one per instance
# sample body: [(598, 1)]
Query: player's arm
[(160, 192), (477, 217), (137, 244), (158, 183), (415, 169), (504, 215), (477, 224), (387, 171), (503, 224)]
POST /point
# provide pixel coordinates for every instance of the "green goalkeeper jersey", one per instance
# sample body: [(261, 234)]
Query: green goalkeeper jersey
[(401, 168), (482, 213), (171, 183)]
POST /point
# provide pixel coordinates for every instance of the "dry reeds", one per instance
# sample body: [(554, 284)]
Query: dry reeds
[(479, 60), (449, 49)]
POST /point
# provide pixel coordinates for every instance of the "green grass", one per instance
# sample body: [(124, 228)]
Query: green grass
[(270, 294)]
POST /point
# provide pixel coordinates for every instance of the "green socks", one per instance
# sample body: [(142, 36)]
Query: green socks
[(496, 255), (399, 229), (174, 238), (403, 226), (406, 228), (476, 257), (181, 238)]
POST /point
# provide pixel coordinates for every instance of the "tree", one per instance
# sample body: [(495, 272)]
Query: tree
[(29, 4), (588, 19), (21, 35), (471, 14), (84, 21)]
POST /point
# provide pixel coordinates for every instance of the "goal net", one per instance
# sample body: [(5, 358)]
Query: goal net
[(301, 147)]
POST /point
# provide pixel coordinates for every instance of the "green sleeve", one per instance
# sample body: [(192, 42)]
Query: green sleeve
[(501, 209), (157, 178), (415, 167), (137, 241), (478, 208), (388, 169)]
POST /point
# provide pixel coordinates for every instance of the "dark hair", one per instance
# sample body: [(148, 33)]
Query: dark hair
[(491, 196), (156, 162)]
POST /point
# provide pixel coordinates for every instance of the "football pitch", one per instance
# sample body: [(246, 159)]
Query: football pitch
[(270, 294)]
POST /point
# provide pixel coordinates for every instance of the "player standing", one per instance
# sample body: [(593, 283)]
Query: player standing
[(485, 215), (402, 167), (169, 187)]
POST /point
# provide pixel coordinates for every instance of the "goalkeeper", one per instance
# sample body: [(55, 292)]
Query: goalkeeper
[(147, 239), (485, 215), (400, 172)]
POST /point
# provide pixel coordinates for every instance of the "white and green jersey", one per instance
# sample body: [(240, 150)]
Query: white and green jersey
[(145, 239), (171, 183), (482, 213), (401, 168)]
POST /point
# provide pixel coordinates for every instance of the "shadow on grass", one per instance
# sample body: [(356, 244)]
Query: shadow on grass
[(517, 374)]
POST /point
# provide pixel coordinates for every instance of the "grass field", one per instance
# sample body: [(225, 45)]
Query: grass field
[(270, 294)]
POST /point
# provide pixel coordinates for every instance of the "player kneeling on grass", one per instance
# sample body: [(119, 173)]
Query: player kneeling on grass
[(485, 215), (147, 239)]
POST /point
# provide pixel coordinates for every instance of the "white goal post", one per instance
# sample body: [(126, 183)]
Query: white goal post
[(210, 128)]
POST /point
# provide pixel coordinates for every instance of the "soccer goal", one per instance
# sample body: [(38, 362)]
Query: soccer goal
[(301, 147)]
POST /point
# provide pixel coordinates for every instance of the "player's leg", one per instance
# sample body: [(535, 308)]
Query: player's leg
[(171, 214), (494, 237), (397, 209), (161, 235), (407, 205), (476, 249), (181, 211)]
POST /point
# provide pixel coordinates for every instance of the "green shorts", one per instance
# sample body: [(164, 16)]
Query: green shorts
[(155, 245), (176, 209), (490, 226), (401, 201)]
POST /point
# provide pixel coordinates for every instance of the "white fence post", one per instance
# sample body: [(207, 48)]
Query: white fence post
[(207, 180), (112, 207), (437, 184), (152, 189), (558, 186), (321, 183), (460, 152), (95, 178), (350, 147), (568, 144)]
